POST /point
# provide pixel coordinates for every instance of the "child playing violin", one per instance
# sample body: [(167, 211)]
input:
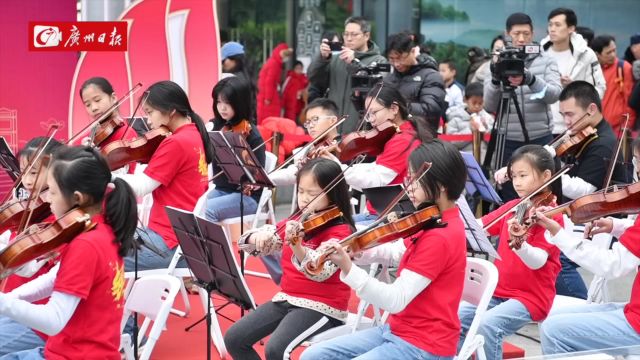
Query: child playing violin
[(176, 174), (13, 335), (231, 97), (595, 326), (386, 104), (320, 115), (528, 272), (425, 296), (86, 289), (98, 96), (306, 305)]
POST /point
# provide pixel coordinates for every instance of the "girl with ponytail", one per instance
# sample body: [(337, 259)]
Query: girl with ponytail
[(86, 288)]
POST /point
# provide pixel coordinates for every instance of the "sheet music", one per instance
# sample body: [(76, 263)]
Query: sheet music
[(476, 237)]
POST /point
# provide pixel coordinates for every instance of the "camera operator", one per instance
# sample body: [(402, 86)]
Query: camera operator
[(333, 68), (535, 90), (417, 78)]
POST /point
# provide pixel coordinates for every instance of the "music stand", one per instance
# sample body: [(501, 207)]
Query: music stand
[(381, 196), (477, 182), (210, 258), (8, 160), (240, 165), (476, 237)]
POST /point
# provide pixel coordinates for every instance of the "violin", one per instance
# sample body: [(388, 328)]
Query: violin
[(121, 152), (243, 128), (369, 142), (104, 129), (31, 246), (572, 144), (315, 221), (519, 228), (614, 200), (406, 226), (11, 213)]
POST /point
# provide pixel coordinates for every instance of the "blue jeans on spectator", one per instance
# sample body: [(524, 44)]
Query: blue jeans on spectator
[(222, 205), (503, 318), (508, 193), (364, 218), (16, 337), (587, 327), (158, 258), (569, 281), (33, 354), (371, 344)]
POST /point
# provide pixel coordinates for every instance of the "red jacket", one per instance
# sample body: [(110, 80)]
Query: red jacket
[(268, 82), (292, 99), (616, 98)]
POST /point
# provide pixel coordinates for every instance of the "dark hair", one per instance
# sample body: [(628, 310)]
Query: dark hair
[(365, 26), (167, 96), (518, 19), (83, 169), (324, 171), (387, 96), (583, 92), (330, 34), (298, 62), (473, 89), (323, 103), (402, 42), (103, 84), (29, 149), (494, 40), (539, 159), (238, 94), (600, 42), (447, 170), (450, 64), (586, 33), (569, 15)]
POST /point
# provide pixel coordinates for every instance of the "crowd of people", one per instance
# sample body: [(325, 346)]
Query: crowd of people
[(70, 305)]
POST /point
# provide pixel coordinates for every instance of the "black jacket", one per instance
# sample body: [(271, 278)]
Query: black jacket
[(423, 87)]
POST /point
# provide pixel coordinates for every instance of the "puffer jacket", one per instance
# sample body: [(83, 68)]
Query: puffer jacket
[(269, 84), (335, 75), (533, 100), (423, 87)]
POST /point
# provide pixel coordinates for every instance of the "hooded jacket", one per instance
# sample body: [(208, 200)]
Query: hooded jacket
[(534, 100), (423, 87), (334, 75), (585, 67), (269, 83)]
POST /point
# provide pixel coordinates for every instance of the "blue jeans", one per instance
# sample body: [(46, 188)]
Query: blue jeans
[(503, 318), (364, 218), (569, 281), (16, 337), (587, 327), (371, 344), (222, 205), (148, 259), (33, 354)]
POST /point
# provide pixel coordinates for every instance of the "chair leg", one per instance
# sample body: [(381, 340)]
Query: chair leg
[(185, 299)]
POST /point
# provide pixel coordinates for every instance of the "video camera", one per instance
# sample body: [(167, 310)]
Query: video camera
[(363, 80), (511, 61)]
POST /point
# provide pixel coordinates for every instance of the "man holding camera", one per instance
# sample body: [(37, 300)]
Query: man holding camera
[(537, 88), (332, 69)]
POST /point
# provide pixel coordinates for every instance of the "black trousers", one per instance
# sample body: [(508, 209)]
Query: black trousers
[(288, 325)]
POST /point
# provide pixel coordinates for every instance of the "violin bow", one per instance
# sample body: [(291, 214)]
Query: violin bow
[(554, 143), (28, 213), (106, 113), (142, 101), (368, 109), (614, 158), (311, 143), (555, 177), (53, 128)]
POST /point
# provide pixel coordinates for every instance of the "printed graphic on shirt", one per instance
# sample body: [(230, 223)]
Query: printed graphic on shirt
[(117, 286), (202, 163)]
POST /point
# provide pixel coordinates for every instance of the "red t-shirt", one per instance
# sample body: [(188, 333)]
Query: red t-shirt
[(332, 291), (535, 289), (91, 269), (395, 155), (430, 321), (180, 166), (631, 240)]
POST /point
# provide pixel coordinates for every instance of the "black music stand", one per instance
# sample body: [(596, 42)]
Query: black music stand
[(477, 240), (240, 165), (477, 182), (210, 258), (8, 160), (380, 197)]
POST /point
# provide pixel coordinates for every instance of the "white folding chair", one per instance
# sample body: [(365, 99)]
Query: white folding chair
[(151, 297), (480, 280)]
